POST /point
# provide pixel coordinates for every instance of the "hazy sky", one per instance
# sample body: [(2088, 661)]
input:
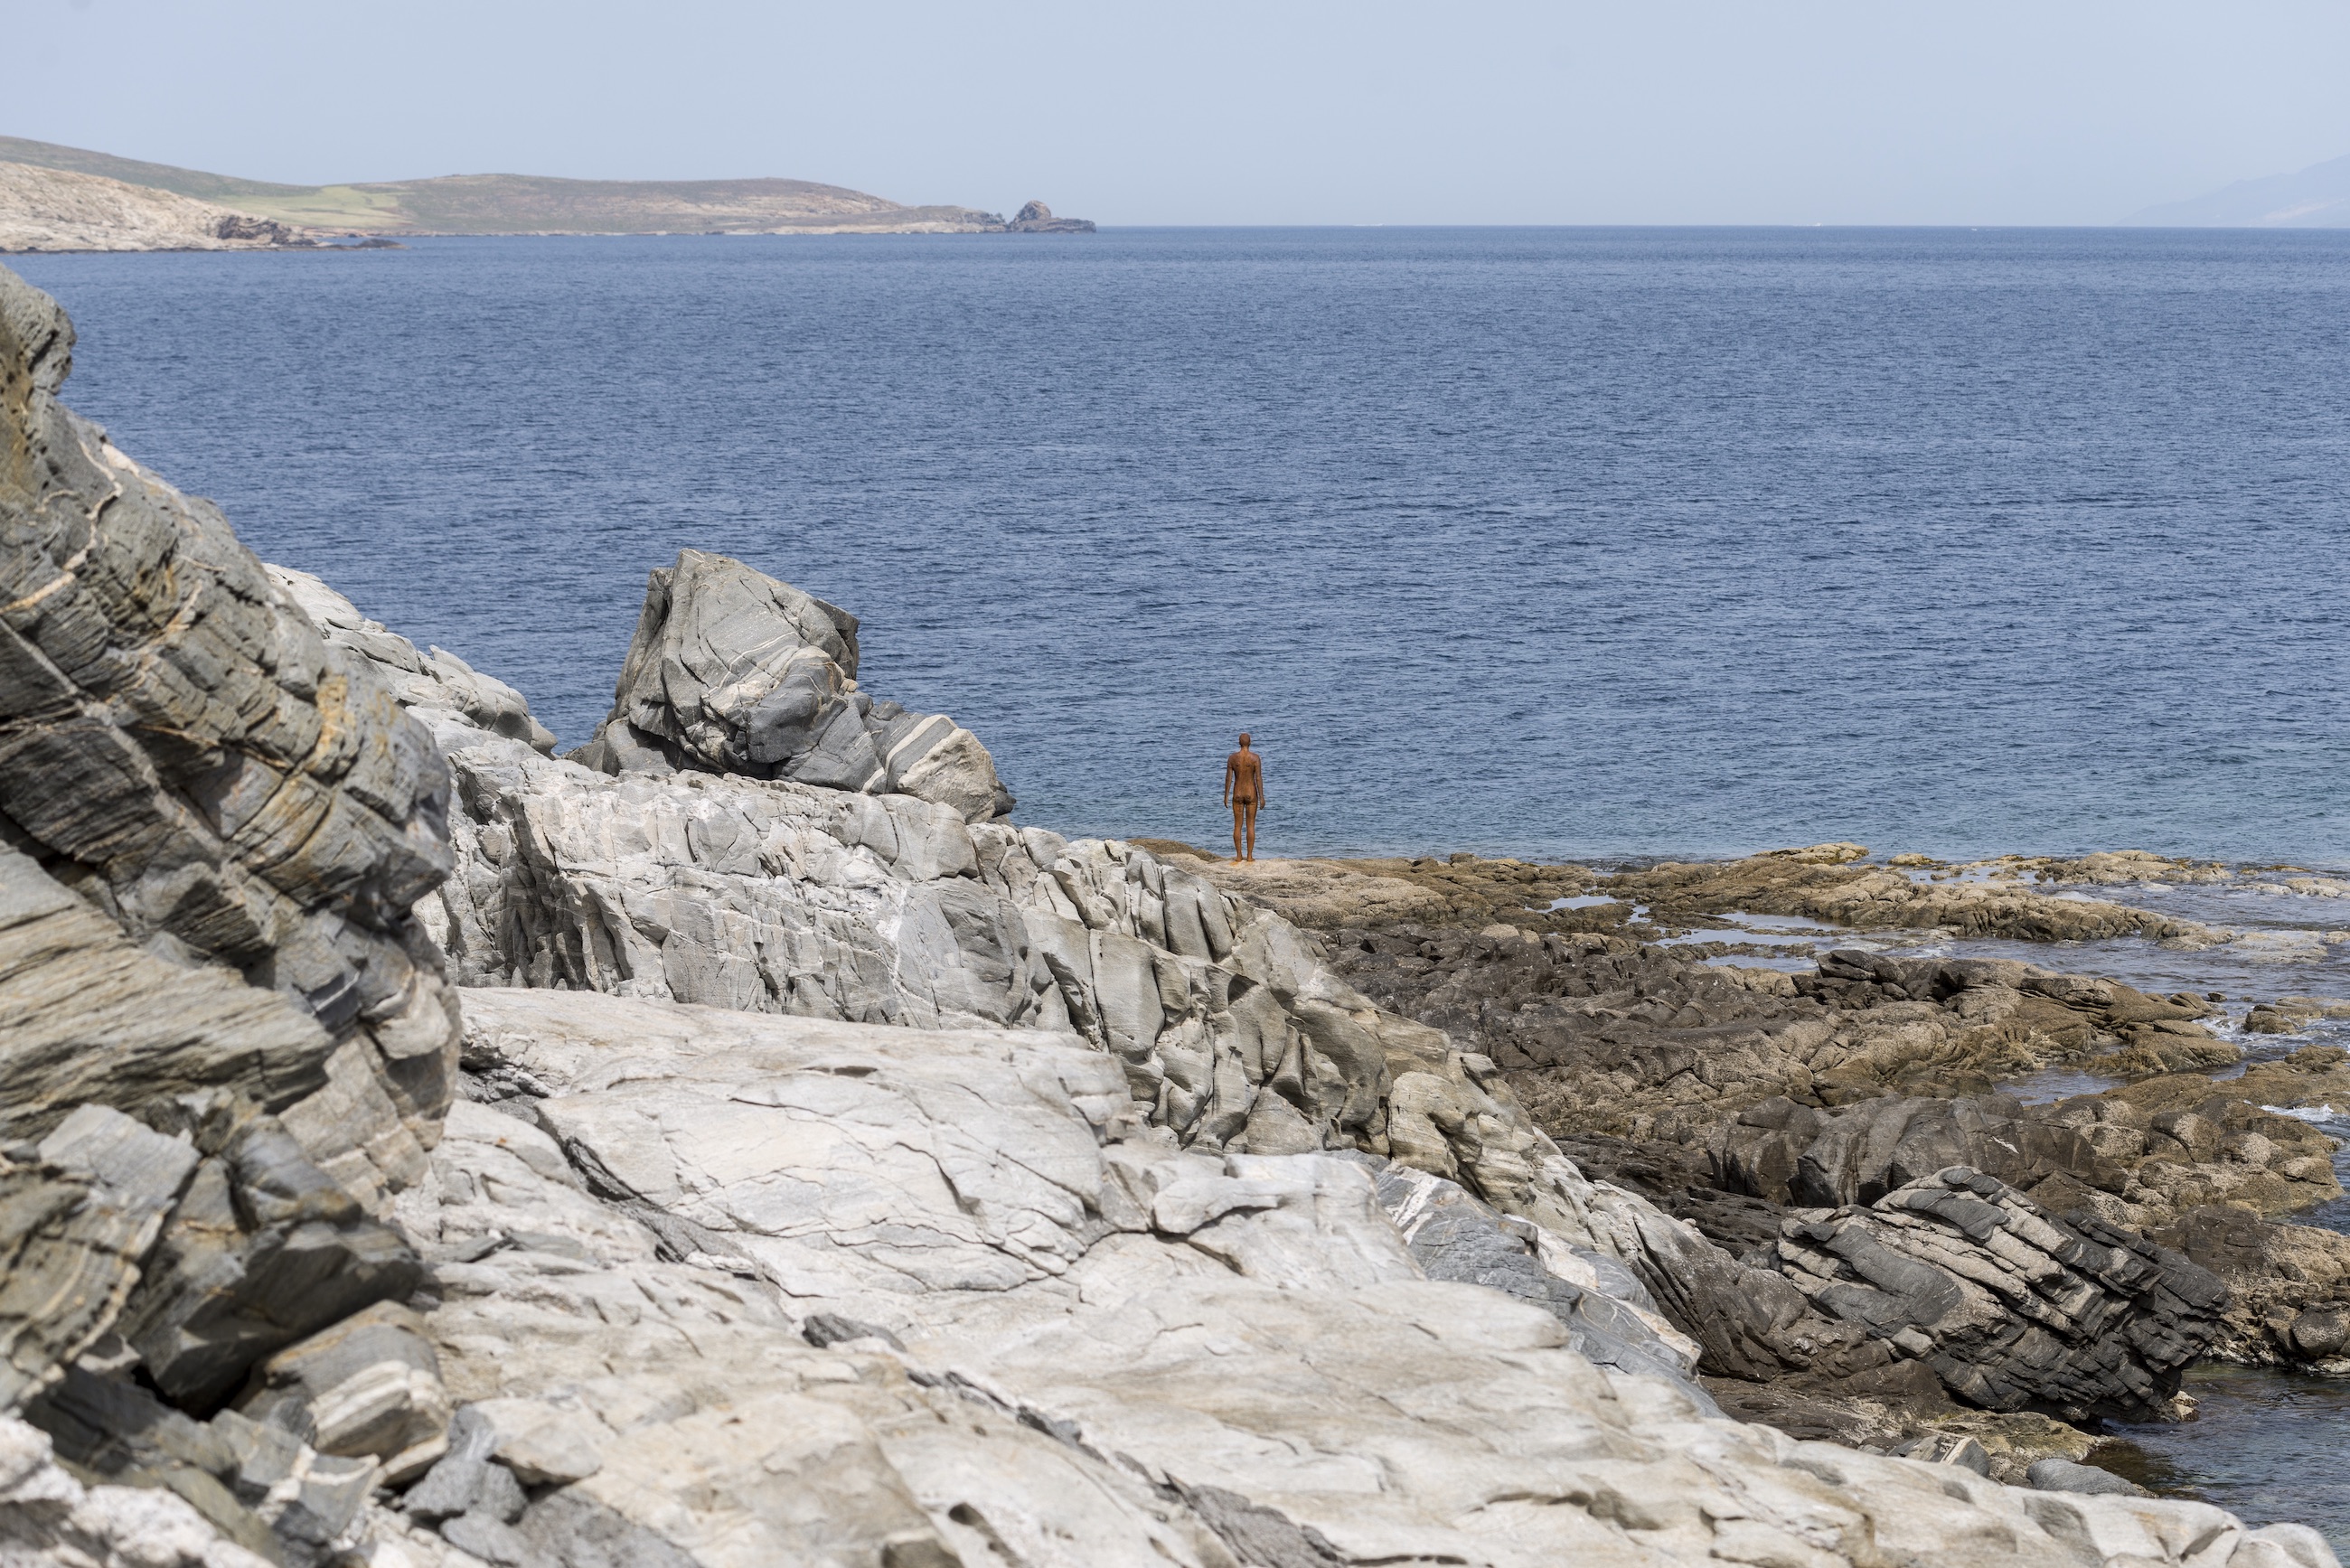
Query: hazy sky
[(1639, 111)]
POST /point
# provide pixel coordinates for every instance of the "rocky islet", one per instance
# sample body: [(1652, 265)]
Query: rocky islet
[(740, 1142)]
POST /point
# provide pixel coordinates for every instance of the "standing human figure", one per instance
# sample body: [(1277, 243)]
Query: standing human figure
[(1244, 793)]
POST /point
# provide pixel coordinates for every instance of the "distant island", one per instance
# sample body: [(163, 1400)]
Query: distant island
[(2318, 197), (67, 198)]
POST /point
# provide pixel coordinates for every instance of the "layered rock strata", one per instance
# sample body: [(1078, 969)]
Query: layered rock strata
[(1232, 1031), (184, 754), (224, 1043)]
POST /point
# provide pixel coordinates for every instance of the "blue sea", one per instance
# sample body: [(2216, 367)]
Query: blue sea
[(1564, 542)]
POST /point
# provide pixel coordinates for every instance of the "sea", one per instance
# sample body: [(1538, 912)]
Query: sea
[(1561, 543), (1591, 543)]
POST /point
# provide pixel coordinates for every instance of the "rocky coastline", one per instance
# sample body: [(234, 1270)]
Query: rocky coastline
[(738, 1141)]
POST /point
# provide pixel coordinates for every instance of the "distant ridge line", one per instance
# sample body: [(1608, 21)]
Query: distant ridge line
[(2317, 197), (537, 203)]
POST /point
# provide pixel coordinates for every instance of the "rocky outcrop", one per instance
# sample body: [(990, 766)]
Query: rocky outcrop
[(718, 1281), (2012, 1309), (49, 1516), (63, 210), (2107, 1153), (734, 672), (2288, 1286), (1818, 884), (1603, 1035), (226, 1042), (182, 751), (1036, 218), (1230, 1032), (1018, 1200)]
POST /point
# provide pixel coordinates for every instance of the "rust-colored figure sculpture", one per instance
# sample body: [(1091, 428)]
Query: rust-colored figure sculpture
[(1244, 793)]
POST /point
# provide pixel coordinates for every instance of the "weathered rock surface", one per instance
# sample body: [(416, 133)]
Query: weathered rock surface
[(735, 672), (180, 750), (49, 1518), (1821, 882), (1055, 1336), (1229, 1031), (77, 1214), (218, 1018), (1151, 1241), (2288, 1286), (1818, 884), (2011, 1308), (1605, 1035)]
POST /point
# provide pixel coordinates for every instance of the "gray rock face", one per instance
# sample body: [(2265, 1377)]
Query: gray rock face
[(1855, 1154), (2010, 1309), (1611, 1316), (369, 1386), (1036, 218), (78, 1213), (217, 1014), (2064, 1475), (83, 1025), (733, 671), (258, 1485), (263, 1248), (179, 748), (1057, 1337), (48, 1518)]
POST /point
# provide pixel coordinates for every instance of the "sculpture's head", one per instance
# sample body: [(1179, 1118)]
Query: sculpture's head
[(1244, 740)]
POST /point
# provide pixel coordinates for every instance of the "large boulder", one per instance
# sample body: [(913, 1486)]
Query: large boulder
[(735, 672)]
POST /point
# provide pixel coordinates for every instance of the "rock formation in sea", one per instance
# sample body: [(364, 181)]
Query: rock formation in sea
[(744, 1144), (1036, 218)]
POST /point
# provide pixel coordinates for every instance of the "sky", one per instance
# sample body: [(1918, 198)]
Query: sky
[(1477, 111)]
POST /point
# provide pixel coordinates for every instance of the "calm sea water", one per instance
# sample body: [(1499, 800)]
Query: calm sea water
[(1571, 542)]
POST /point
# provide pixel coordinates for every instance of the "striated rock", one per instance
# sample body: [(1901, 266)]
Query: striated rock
[(180, 750), (1792, 1154), (2010, 1308), (367, 1386), (735, 672), (77, 1215), (83, 1023), (259, 1487), (431, 685), (1611, 1317), (263, 1249)]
